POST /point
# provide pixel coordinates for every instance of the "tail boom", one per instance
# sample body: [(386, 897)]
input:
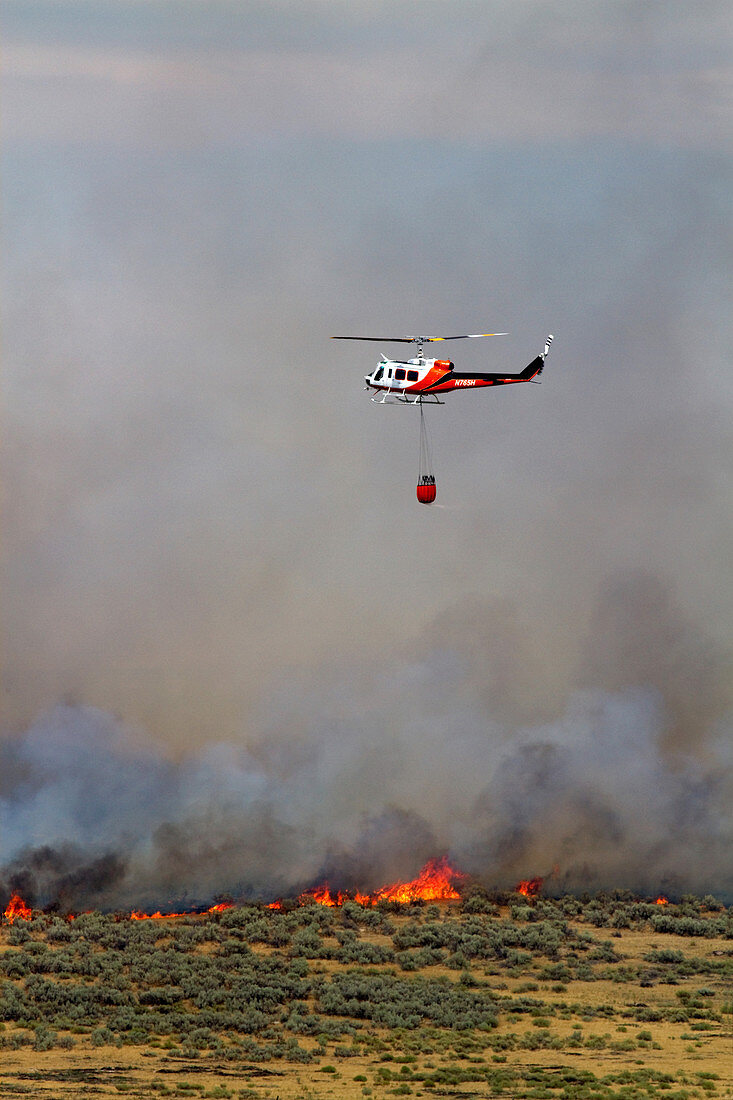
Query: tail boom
[(457, 381)]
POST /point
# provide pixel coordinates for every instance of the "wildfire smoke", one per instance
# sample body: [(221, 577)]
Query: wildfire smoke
[(435, 882), (141, 831)]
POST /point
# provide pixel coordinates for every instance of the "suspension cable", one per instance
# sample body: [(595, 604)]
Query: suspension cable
[(425, 473)]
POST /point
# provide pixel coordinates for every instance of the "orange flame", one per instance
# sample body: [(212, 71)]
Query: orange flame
[(15, 908), (220, 908), (435, 882), (136, 914), (323, 896), (529, 887), (661, 900)]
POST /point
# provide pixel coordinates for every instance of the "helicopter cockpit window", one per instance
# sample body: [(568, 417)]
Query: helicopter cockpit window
[(399, 374), (412, 376), (378, 374)]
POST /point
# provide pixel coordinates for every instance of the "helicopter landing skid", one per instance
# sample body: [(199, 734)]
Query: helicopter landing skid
[(392, 398)]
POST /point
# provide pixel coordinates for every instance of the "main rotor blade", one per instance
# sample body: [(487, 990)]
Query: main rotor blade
[(419, 339), (469, 336)]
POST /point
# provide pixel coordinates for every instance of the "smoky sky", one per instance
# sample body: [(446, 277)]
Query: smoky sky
[(237, 653)]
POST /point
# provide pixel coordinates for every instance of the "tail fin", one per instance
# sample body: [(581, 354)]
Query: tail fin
[(536, 366)]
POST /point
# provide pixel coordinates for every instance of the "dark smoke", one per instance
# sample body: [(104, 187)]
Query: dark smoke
[(64, 878), (388, 844), (362, 786)]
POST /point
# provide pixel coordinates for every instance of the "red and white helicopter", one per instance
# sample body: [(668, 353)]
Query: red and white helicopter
[(418, 381)]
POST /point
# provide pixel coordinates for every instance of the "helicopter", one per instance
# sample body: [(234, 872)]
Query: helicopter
[(419, 380)]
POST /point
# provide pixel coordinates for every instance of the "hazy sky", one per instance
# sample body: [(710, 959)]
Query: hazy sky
[(211, 534)]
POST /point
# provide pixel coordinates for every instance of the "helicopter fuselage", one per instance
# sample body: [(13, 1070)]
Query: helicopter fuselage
[(414, 378)]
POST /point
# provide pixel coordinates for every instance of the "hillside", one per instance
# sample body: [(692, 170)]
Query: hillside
[(494, 995)]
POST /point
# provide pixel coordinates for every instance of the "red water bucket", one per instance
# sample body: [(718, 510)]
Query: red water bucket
[(426, 490)]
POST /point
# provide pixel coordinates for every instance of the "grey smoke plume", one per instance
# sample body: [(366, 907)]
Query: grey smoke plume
[(281, 666), (363, 785)]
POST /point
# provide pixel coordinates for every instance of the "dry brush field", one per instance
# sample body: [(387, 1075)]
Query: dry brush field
[(493, 996)]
